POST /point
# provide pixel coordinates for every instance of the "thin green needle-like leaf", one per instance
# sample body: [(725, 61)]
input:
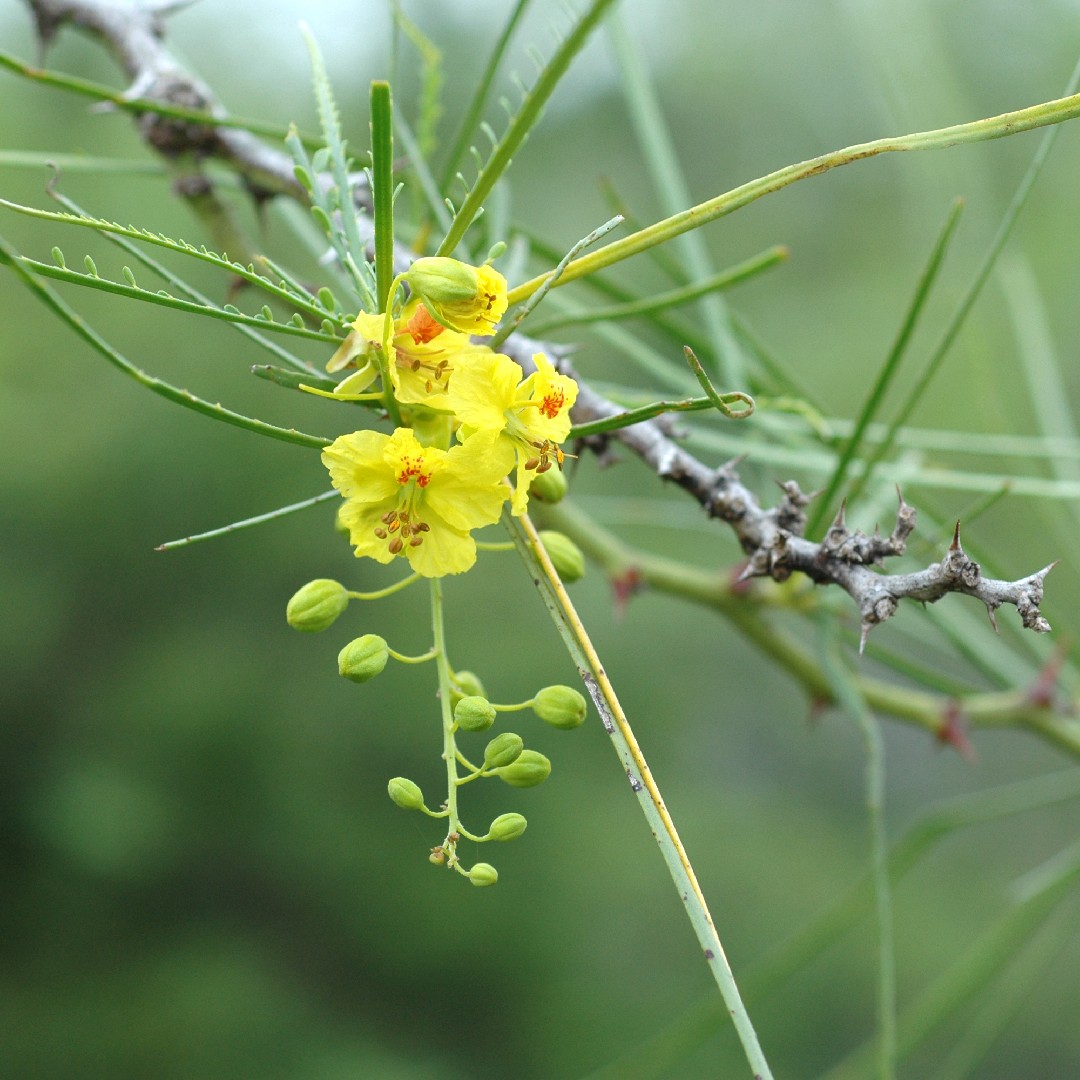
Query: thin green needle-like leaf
[(382, 189), (353, 246), (974, 971), (824, 502), (521, 125), (158, 386), (133, 292), (435, 207), (181, 286), (994, 127), (510, 325), (247, 523), (100, 92), (645, 306), (222, 262), (847, 693), (663, 163), (472, 114), (1065, 109), (662, 1051)]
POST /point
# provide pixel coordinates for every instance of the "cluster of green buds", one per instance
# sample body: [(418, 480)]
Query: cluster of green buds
[(467, 711), (505, 757)]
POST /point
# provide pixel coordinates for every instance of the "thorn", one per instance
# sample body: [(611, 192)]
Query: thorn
[(1041, 574), (840, 521), (953, 731), (625, 585), (993, 617), (1041, 691), (864, 632), (955, 545)]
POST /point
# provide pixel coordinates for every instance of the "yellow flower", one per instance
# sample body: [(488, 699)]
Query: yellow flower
[(530, 415), (418, 502), (420, 353), (468, 299)]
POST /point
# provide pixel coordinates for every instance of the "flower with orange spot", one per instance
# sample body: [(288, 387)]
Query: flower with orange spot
[(531, 415), (468, 299), (417, 502)]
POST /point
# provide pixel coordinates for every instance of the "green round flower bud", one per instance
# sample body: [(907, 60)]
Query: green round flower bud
[(442, 280), (483, 874), (466, 684), (363, 658), (527, 770), (560, 706), (405, 793), (549, 486), (507, 827), (474, 713), (317, 605), (565, 555), (502, 750)]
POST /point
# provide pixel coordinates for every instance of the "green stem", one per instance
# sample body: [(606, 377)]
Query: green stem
[(641, 781), (994, 127), (847, 694), (382, 188), (450, 755)]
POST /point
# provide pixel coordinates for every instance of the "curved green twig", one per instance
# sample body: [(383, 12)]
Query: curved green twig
[(722, 402), (994, 127)]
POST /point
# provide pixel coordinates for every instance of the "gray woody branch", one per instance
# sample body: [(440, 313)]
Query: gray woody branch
[(772, 538)]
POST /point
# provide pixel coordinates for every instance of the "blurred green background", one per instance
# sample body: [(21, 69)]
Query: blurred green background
[(202, 875)]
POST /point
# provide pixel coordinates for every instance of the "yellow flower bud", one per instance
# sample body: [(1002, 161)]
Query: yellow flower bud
[(442, 280), (560, 706), (363, 658), (507, 827), (316, 605), (405, 793), (549, 486), (474, 713), (527, 770), (502, 750), (565, 555), (483, 874), (467, 299)]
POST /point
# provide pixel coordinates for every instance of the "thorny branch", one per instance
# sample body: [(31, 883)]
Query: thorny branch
[(772, 538)]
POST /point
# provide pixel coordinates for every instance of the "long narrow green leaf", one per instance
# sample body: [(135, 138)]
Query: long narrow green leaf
[(291, 298), (648, 305), (471, 117), (959, 317), (100, 92), (247, 523), (669, 183), (993, 127), (824, 506), (382, 189), (182, 286), (522, 124), (133, 292), (158, 386), (344, 228)]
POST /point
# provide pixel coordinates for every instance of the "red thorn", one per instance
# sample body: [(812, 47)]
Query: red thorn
[(741, 576), (1041, 692), (953, 731), (626, 584)]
